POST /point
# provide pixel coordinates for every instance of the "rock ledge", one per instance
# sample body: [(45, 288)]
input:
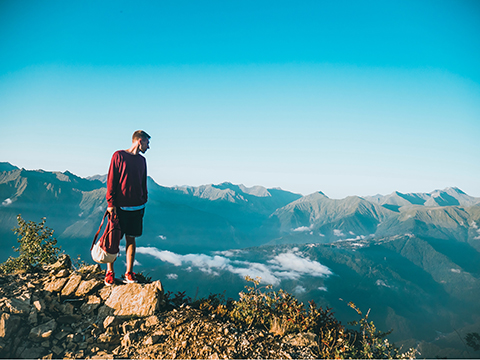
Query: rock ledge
[(65, 313)]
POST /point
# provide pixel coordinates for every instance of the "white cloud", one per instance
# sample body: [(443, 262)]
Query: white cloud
[(322, 288), (292, 261), (299, 289), (162, 237), (358, 244), (172, 276), (303, 228), (202, 260), (290, 265), (229, 253), (164, 255), (351, 233), (382, 283), (475, 226), (338, 232), (358, 237), (6, 202), (226, 253), (256, 270)]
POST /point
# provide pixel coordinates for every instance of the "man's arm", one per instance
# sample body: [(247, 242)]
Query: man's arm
[(145, 182), (112, 183)]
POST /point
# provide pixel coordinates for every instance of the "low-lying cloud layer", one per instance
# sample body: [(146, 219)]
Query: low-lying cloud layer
[(6, 202), (474, 225), (288, 265)]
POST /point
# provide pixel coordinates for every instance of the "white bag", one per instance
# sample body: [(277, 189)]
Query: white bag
[(101, 256)]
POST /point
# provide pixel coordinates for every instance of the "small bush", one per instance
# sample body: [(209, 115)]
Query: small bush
[(372, 343), (214, 304), (281, 313), (37, 247), (172, 301), (270, 309), (473, 340)]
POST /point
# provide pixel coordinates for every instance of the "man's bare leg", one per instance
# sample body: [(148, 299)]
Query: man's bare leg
[(130, 252)]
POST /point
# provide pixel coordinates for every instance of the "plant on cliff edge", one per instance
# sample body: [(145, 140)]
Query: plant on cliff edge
[(281, 313), (37, 247), (473, 340), (371, 343), (278, 312)]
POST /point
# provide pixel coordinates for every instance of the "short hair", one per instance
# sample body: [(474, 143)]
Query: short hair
[(140, 134)]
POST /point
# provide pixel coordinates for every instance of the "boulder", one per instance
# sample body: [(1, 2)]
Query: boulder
[(134, 299), (93, 302), (56, 285), (43, 331), (39, 305), (72, 284), (90, 271), (62, 273), (8, 325), (63, 262), (33, 317), (18, 306), (88, 286), (105, 292), (31, 353)]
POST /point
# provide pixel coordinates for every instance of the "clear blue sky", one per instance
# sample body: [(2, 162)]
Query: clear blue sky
[(344, 97)]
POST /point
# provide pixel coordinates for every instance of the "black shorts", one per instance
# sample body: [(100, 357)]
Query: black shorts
[(131, 222)]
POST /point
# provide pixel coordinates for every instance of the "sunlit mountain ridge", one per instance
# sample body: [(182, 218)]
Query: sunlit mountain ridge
[(412, 258), (224, 216)]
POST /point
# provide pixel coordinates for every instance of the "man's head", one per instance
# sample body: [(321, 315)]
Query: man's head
[(143, 140)]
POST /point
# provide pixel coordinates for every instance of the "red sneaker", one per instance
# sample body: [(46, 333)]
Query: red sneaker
[(110, 278), (130, 278)]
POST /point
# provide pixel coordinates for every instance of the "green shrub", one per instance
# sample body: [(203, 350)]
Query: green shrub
[(178, 299), (281, 313), (214, 304), (371, 343), (37, 247), (473, 340), (278, 312)]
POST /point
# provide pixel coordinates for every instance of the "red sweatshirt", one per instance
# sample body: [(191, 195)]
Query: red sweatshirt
[(127, 180)]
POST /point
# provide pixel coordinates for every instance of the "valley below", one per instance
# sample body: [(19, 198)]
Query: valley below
[(412, 259)]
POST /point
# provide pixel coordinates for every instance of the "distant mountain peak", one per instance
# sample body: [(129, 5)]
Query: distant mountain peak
[(257, 190), (102, 178), (455, 189), (6, 166)]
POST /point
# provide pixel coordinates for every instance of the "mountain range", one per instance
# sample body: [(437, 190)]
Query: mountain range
[(225, 216), (413, 258)]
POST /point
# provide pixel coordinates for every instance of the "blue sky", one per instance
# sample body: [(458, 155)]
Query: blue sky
[(344, 97)]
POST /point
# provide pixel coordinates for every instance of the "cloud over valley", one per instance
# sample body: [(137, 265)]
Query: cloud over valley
[(289, 265)]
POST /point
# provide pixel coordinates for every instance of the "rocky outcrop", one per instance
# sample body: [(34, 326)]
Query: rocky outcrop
[(61, 312)]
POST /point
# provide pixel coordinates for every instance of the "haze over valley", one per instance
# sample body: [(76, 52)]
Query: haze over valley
[(412, 258)]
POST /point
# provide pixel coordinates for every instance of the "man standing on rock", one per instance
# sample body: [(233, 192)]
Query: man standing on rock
[(127, 196)]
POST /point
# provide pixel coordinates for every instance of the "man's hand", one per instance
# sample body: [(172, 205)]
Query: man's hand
[(112, 210)]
